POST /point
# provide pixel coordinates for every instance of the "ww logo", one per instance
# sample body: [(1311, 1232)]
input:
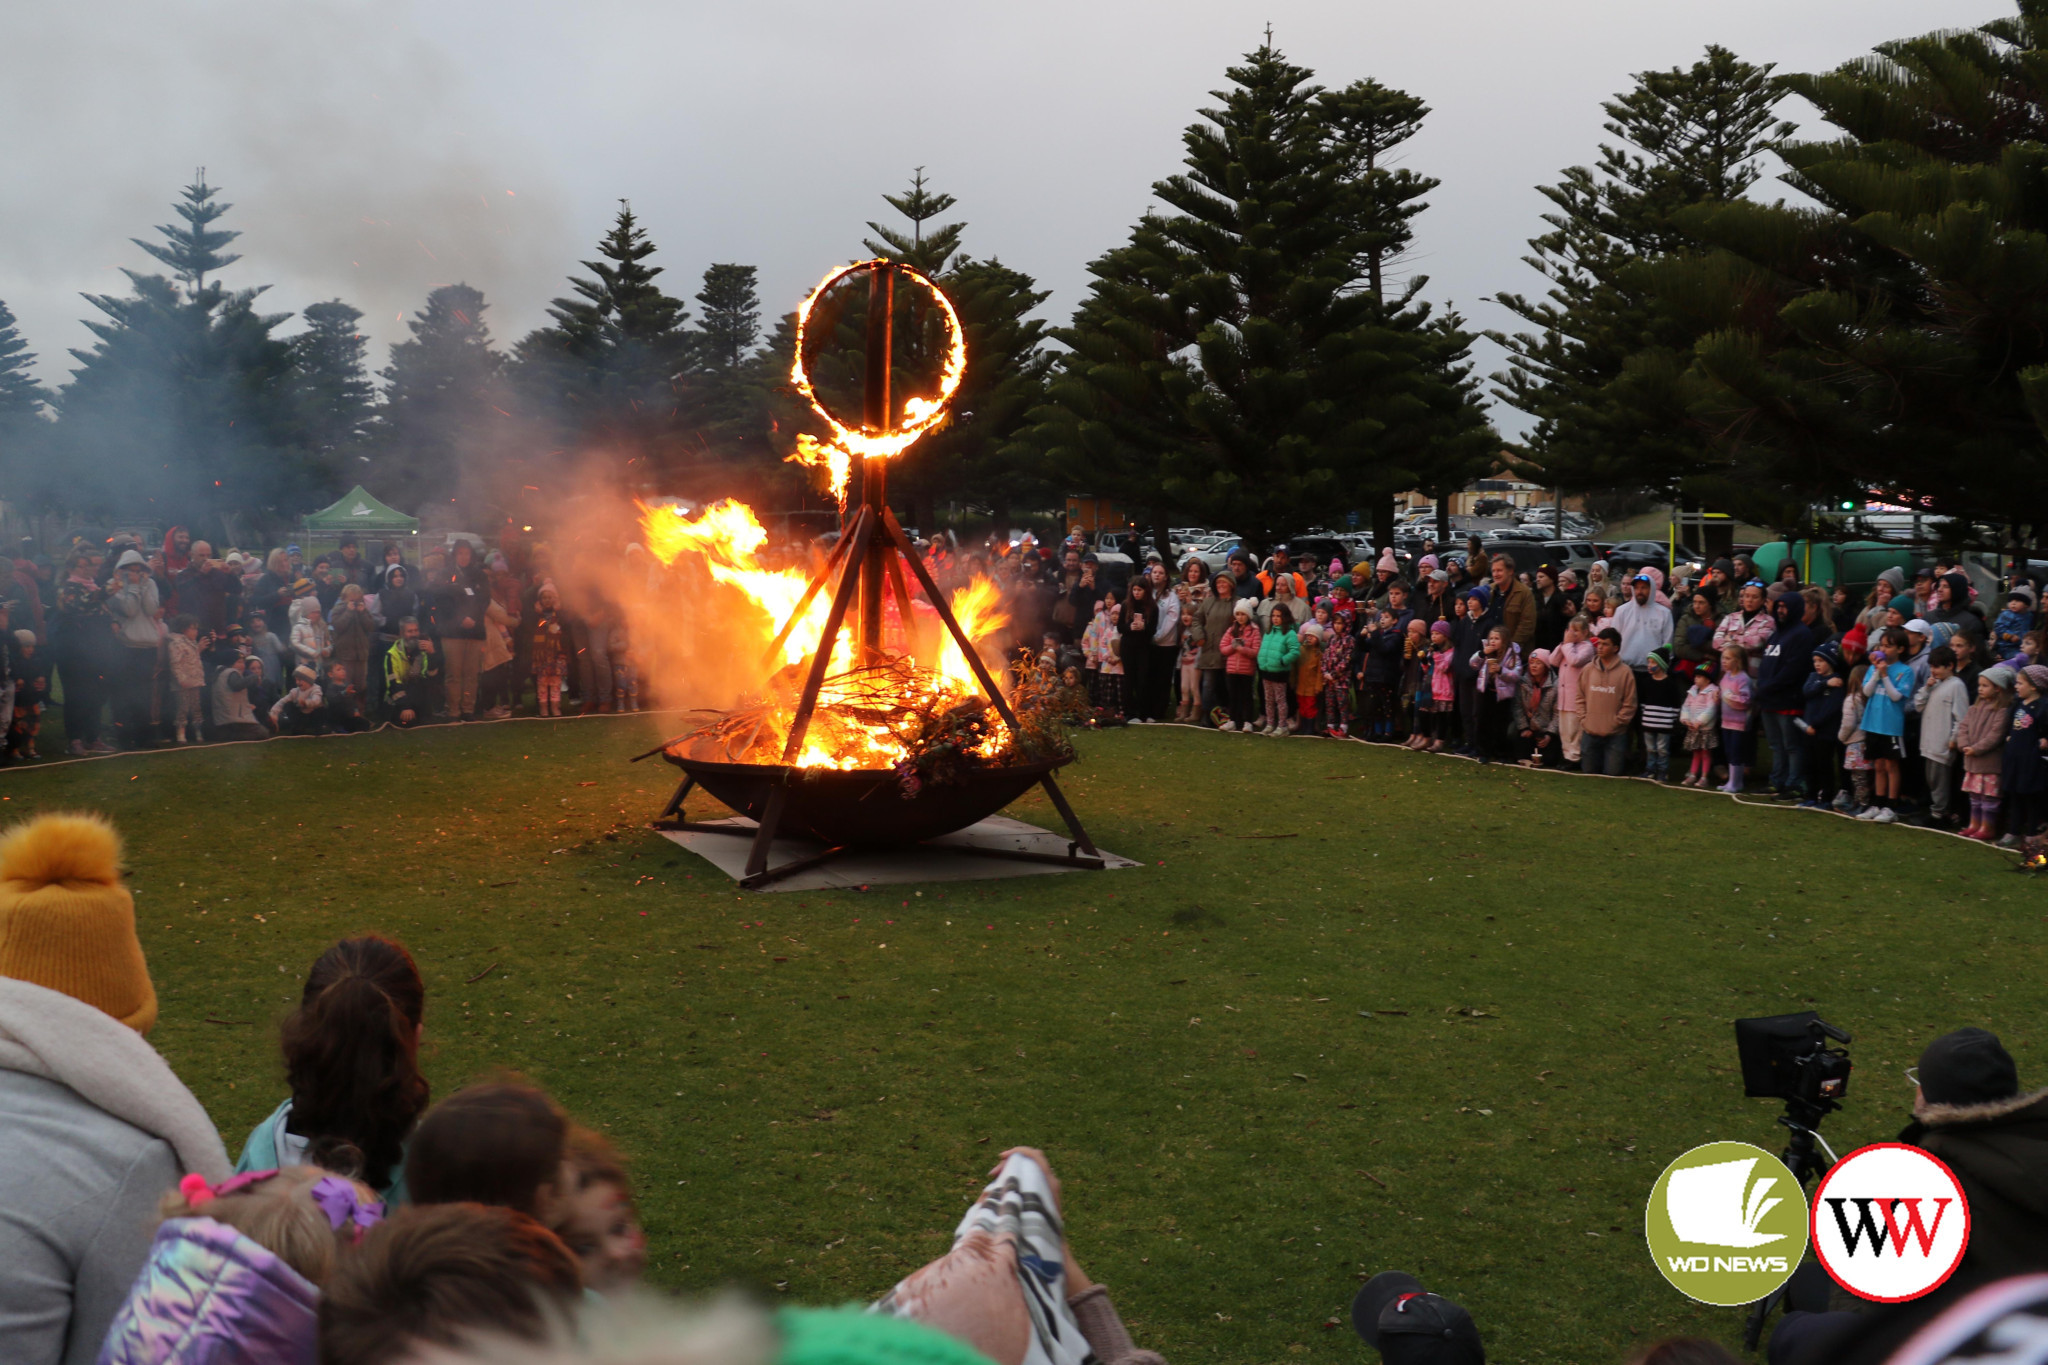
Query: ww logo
[(1890, 1222)]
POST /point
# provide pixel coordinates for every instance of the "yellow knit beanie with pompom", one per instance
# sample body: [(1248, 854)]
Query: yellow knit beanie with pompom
[(67, 922)]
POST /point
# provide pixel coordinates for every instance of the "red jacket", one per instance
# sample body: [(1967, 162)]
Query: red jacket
[(1240, 648)]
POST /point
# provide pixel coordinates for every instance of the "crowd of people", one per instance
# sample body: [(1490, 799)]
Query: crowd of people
[(367, 1221), (172, 644), (1920, 699)]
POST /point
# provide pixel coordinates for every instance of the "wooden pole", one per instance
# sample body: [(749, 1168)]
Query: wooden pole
[(879, 415)]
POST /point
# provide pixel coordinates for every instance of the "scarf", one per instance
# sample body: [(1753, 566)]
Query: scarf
[(48, 1034)]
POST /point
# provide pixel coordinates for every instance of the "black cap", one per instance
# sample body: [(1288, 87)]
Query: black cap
[(1968, 1066), (1408, 1325)]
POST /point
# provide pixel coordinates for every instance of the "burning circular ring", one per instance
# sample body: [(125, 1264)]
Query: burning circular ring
[(920, 414)]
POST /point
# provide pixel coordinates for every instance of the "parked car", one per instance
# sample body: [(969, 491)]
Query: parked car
[(1576, 555), (1536, 533), (1316, 552), (1639, 554)]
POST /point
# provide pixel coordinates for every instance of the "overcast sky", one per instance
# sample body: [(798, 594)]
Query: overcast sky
[(376, 148)]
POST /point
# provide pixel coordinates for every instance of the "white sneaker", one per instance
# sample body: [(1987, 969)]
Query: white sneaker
[(1226, 727), (1868, 813), (1886, 816)]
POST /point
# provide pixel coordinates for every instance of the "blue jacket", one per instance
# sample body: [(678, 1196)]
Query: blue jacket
[(1787, 660), (1824, 704), (207, 1295), (1884, 714)]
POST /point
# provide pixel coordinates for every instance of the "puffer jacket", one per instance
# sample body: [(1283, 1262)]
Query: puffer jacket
[(1999, 1151), (1278, 650), (207, 1295), (311, 644)]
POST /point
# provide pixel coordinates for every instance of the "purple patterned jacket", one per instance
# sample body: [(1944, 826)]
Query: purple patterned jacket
[(207, 1295)]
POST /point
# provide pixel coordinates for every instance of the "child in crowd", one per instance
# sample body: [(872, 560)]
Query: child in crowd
[(299, 711), (1382, 651), (2014, 624), (550, 651), (31, 692), (1981, 742), (1941, 702), (351, 1060), (1336, 670), (267, 646), (1279, 648), (1189, 708), (1415, 676), (1658, 698), (1443, 690), (1821, 722), (1308, 676), (2023, 777), (1240, 648), (188, 677), (1497, 672), (1571, 658), (625, 671), (1855, 752), (1887, 692), (500, 1142), (1535, 714), (1736, 690), (448, 1278), (311, 644), (1700, 714), (597, 1220), (233, 1276), (344, 699), (352, 632), (1102, 648)]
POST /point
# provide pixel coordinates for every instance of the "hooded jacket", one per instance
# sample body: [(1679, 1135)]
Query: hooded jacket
[(1787, 659), (95, 1127), (1824, 703), (208, 1295), (1962, 615), (310, 641), (134, 607), (1999, 1151)]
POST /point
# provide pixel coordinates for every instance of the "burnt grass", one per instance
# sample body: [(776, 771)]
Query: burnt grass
[(1357, 1010)]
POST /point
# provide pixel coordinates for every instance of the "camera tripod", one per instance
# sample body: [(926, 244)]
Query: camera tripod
[(1806, 1164)]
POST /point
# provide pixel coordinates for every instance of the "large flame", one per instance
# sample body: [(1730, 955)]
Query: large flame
[(726, 539)]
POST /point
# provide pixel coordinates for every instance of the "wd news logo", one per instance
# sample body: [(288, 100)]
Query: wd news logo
[(1726, 1223), (1890, 1222)]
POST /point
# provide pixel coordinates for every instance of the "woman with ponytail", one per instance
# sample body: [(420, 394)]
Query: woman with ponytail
[(351, 1057)]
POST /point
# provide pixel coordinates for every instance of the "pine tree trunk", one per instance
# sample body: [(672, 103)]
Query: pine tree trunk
[(999, 515), (1162, 537)]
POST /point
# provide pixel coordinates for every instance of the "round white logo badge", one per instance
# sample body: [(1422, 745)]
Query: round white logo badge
[(1890, 1222)]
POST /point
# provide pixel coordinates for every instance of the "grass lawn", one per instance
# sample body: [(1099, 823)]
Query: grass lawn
[(809, 1085)]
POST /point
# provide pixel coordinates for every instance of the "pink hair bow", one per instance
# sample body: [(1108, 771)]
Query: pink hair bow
[(198, 1193)]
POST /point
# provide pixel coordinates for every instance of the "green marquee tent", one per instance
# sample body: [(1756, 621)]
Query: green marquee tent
[(361, 514)]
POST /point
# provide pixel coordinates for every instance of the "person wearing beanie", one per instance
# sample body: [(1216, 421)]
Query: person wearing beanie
[(2023, 776), (94, 1125), (1969, 1111)]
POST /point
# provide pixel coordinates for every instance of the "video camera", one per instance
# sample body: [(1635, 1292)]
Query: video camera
[(1787, 1057)]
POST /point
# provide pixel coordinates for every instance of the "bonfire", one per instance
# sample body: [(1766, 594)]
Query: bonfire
[(870, 678)]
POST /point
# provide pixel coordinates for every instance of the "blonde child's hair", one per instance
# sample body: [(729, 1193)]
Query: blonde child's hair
[(353, 592), (278, 1214), (1741, 655), (1582, 621)]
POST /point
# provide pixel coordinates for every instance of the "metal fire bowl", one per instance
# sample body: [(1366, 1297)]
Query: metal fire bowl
[(863, 807)]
